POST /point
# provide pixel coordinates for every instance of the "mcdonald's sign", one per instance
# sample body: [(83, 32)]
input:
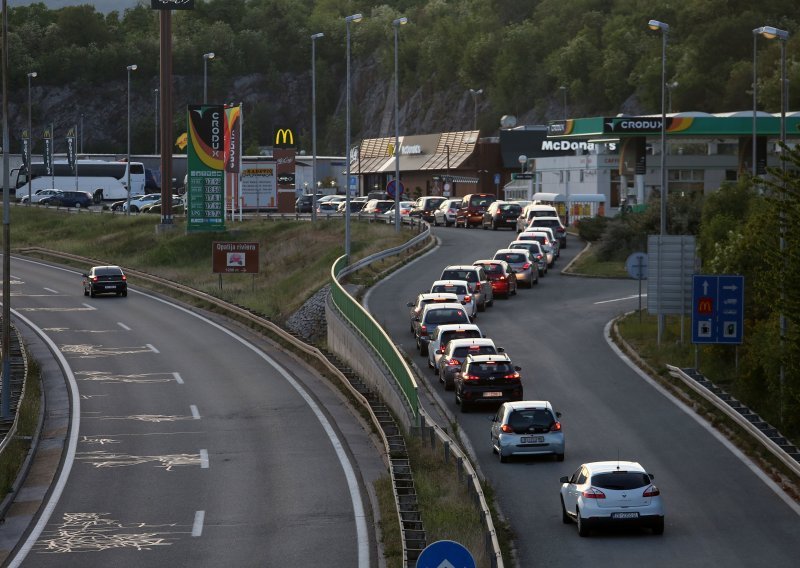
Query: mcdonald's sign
[(284, 138), (705, 305)]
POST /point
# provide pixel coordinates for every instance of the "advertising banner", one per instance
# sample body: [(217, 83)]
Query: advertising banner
[(233, 138), (25, 145), (205, 163), (71, 149), (47, 156), (284, 152), (172, 4)]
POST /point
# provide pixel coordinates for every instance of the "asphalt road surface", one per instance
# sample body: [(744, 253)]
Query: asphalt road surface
[(196, 445), (720, 511)]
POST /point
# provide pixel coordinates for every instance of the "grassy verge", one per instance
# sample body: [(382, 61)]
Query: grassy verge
[(14, 455), (588, 264)]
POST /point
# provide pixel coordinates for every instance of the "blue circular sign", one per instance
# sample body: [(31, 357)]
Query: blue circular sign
[(636, 265), (390, 188), (436, 554)]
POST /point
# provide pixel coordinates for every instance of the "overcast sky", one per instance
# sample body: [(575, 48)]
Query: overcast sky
[(104, 6)]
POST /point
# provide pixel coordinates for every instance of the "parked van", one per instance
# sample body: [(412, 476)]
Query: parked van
[(473, 206)]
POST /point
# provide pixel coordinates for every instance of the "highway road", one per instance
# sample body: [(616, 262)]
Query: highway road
[(196, 444), (720, 510)]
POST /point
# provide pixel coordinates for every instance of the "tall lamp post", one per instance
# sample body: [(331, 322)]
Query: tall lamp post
[(670, 86), (475, 94), (314, 39), (347, 20), (32, 75), (770, 32), (206, 57), (128, 185), (655, 25), (396, 24), (155, 93), (563, 90)]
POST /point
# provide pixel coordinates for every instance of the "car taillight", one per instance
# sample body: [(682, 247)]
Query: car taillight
[(507, 429), (467, 299), (651, 491), (478, 287), (593, 493), (502, 277), (514, 375), (423, 330), (469, 377), (538, 257), (124, 277), (526, 266), (453, 362), (95, 278), (556, 427)]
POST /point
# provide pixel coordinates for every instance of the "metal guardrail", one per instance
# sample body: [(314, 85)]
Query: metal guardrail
[(17, 343), (759, 429)]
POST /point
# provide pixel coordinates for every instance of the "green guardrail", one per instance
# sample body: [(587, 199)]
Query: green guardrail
[(376, 337)]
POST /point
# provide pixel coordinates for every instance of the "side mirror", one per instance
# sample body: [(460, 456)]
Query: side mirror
[(501, 349), (85, 275), (410, 304), (651, 476), (517, 368), (564, 479), (558, 415)]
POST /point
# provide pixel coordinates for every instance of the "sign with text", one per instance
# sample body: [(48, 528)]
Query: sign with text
[(717, 308), (172, 4), (230, 257), (205, 159)]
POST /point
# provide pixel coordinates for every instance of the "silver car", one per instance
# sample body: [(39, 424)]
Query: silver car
[(520, 260), (446, 213), (527, 427), (541, 254), (479, 283)]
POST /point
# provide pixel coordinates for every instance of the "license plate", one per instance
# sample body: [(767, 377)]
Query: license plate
[(624, 515), (532, 439), (492, 394), (110, 287)]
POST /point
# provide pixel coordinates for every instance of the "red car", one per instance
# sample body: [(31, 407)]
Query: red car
[(504, 282)]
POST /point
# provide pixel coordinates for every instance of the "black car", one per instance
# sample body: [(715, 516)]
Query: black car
[(487, 379), (425, 206), (305, 203), (105, 280), (70, 199), (501, 214)]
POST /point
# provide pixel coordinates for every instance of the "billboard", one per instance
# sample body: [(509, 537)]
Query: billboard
[(205, 161)]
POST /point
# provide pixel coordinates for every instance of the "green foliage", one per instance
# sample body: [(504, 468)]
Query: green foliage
[(592, 228)]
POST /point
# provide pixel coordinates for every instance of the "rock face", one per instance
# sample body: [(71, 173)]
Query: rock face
[(309, 321)]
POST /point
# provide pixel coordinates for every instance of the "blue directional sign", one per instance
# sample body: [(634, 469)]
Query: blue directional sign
[(717, 308), (445, 554)]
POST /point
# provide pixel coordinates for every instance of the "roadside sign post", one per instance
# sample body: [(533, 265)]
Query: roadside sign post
[(636, 265), (717, 310), (445, 554)]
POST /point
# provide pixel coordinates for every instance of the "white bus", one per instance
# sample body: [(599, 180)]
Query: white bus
[(104, 180)]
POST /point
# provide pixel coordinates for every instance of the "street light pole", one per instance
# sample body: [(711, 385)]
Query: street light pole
[(128, 185), (670, 86), (32, 75), (206, 57), (347, 20), (396, 24), (155, 93), (314, 39), (664, 28), (475, 95), (563, 90)]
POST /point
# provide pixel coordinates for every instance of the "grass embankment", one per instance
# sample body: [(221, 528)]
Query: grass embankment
[(28, 417), (295, 262)]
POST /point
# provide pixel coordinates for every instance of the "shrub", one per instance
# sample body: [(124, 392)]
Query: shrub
[(592, 228)]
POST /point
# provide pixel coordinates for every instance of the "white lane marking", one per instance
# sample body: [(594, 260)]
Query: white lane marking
[(178, 378), (72, 443), (704, 423), (89, 306), (197, 526), (204, 459), (362, 536), (620, 299), (195, 412), (51, 290), (151, 348), (123, 326)]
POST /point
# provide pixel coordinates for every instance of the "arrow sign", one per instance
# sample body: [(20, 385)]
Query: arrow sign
[(445, 554)]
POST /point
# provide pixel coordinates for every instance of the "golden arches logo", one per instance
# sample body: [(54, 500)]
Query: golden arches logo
[(705, 306), (284, 137)]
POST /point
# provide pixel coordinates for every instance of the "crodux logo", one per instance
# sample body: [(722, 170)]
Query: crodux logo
[(632, 125)]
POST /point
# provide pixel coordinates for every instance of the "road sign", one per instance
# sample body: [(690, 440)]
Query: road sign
[(497, 179), (390, 188), (445, 554), (636, 265), (717, 308)]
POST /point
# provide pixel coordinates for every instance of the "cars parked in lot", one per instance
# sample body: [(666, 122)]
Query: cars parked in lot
[(445, 214), (355, 206), (501, 276), (501, 214), (479, 282), (423, 300), (443, 335), (554, 223), (178, 206), (611, 493), (522, 263), (327, 208), (434, 315), (461, 289), (105, 280), (425, 206), (487, 379), (473, 206), (526, 428), (69, 199), (456, 351), (543, 254), (305, 203), (37, 195)]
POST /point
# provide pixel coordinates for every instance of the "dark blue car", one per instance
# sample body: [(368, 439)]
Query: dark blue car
[(69, 199)]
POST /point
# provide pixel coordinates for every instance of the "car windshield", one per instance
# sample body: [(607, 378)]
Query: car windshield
[(493, 269), (468, 275), (108, 271), (491, 367), (452, 288), (620, 480), (552, 223), (511, 208), (523, 420), (446, 315), (462, 352), (512, 257), (480, 201), (447, 336)]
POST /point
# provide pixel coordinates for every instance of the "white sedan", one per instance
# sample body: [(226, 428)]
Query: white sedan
[(611, 493), (38, 195), (140, 200)]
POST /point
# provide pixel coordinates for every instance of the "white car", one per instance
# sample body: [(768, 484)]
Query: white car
[(527, 428), (611, 493), (443, 335), (456, 351), (139, 201), (37, 195), (446, 213), (461, 289)]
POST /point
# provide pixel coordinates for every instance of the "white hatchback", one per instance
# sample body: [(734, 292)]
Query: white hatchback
[(611, 493), (461, 289), (443, 335)]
